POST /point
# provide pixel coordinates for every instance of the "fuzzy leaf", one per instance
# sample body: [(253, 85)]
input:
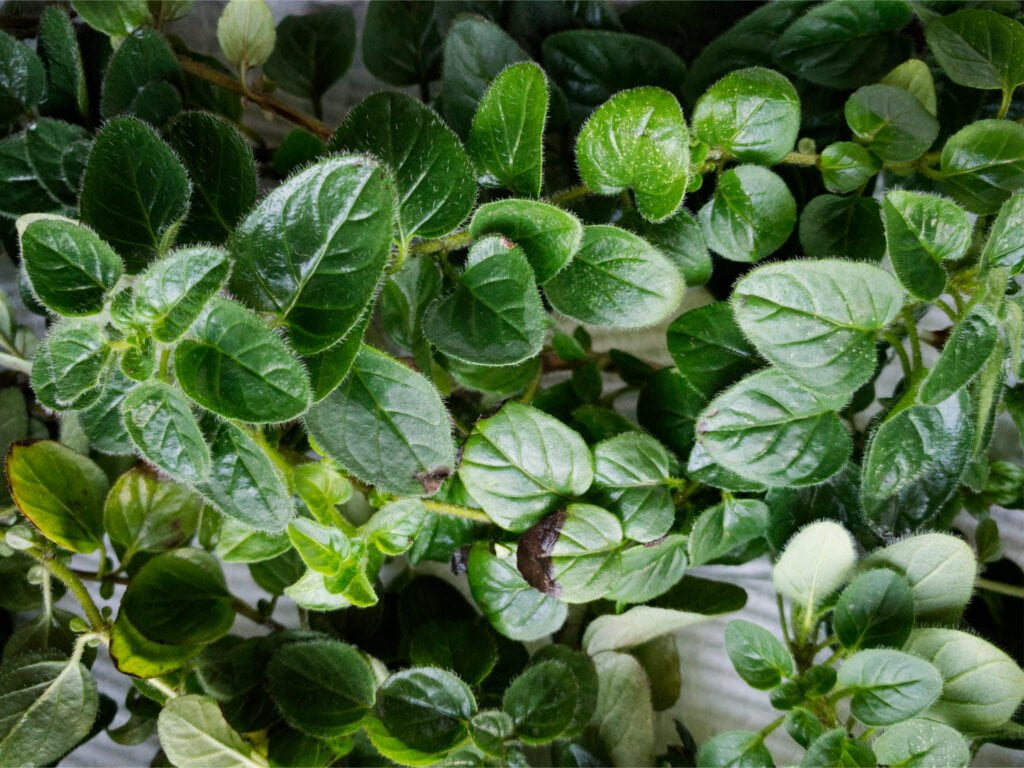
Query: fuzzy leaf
[(751, 214), (549, 236)]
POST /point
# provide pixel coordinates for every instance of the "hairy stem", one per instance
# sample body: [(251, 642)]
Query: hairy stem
[(446, 244), (1004, 107), (269, 103), (1013, 590), (19, 364), (455, 510), (75, 585)]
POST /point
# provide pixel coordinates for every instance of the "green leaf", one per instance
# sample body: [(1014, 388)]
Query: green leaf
[(395, 526), (329, 368), (312, 52), (194, 734), (814, 564), (459, 646), (668, 408), (650, 570), (77, 355), (818, 320), (922, 743), (733, 531), (679, 237), (402, 42), (134, 654), (734, 748), (506, 138), (751, 115), (914, 76), (476, 51), (233, 365), (102, 420), (709, 349), (914, 463), (981, 685), (549, 236), (637, 140), (22, 79), (20, 190), (134, 189), (876, 610), (70, 268), (940, 569), (617, 280), (965, 353), (387, 425), (145, 513), (759, 657), (241, 543), (520, 464), (139, 79), (572, 554), (750, 215), (630, 471), (845, 227), (983, 164), (426, 708), (1005, 245), (591, 65), (165, 432), (47, 706), (845, 43), (495, 315), (246, 33), (624, 718), (322, 687), (314, 250), (845, 166), (116, 18), (57, 153), (180, 597), (66, 90), (889, 686), (173, 291), (979, 48), (836, 748), (490, 730), (223, 173), (433, 175), (514, 608), (770, 429), (922, 232), (891, 121), (542, 701), (61, 492)]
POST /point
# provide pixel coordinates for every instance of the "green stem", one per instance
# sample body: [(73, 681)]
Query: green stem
[(782, 621), (456, 510), (894, 342), (163, 687), (771, 727), (446, 244), (800, 158), (1004, 107), (947, 308), (915, 341), (999, 587), (75, 585), (242, 608), (570, 194), (15, 363)]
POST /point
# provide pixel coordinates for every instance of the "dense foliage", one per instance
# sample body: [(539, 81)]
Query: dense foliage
[(345, 356)]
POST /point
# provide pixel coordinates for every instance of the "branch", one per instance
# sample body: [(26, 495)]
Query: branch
[(269, 103)]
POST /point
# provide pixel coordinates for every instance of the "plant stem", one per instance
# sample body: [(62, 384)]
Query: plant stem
[(897, 345), (782, 621), (455, 510), (19, 364), (800, 158), (1004, 107), (947, 308), (242, 608), (269, 103), (771, 726), (163, 687), (999, 587), (446, 244), (75, 585), (915, 342), (570, 194)]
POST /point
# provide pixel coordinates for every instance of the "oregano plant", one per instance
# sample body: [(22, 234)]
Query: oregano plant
[(470, 384)]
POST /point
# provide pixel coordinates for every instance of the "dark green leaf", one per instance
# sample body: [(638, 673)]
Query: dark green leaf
[(983, 164), (889, 686), (314, 250), (313, 51), (876, 610), (759, 657), (58, 152), (387, 425), (66, 88), (436, 188), (145, 513), (845, 227), (616, 279), (322, 687), (549, 236), (506, 139), (630, 471), (426, 708), (542, 701), (22, 79), (165, 432), (836, 748), (750, 216), (329, 368), (172, 293), (709, 349), (1005, 245), (102, 420), (846, 166), (966, 351), (922, 232), (61, 492), (891, 121), (475, 52), (679, 237), (116, 18), (460, 646), (752, 115), (495, 315), (70, 268), (845, 43), (979, 48), (233, 365), (223, 173), (637, 140), (520, 464), (733, 531), (402, 41), (139, 79), (735, 748), (20, 190), (134, 189)]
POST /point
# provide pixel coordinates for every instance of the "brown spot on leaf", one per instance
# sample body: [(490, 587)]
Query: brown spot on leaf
[(432, 480), (533, 555)]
